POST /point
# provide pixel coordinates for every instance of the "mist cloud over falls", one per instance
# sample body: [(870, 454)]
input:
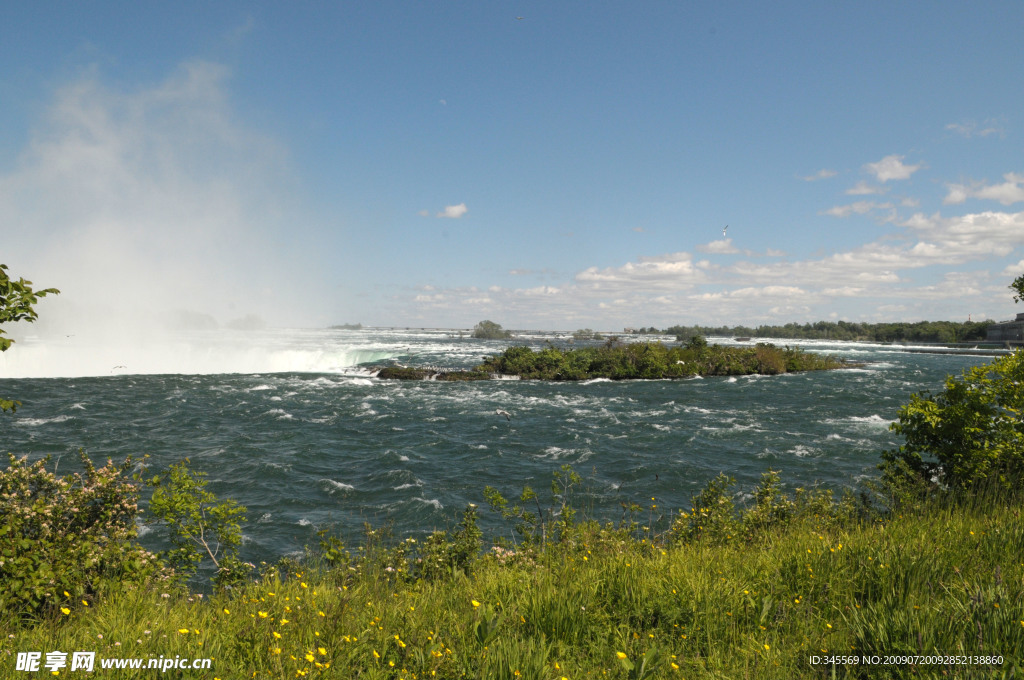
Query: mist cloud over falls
[(151, 207)]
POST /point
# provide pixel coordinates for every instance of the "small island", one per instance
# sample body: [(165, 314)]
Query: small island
[(616, 360)]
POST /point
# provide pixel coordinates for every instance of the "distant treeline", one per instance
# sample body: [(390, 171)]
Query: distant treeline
[(921, 331)]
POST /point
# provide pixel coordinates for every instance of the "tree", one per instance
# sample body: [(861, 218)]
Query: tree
[(970, 432), (197, 519), (17, 300), (488, 330), (1018, 288)]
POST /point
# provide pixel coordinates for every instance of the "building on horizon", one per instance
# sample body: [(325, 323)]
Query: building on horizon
[(1010, 332)]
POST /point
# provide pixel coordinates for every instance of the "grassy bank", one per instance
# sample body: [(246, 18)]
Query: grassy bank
[(719, 594)]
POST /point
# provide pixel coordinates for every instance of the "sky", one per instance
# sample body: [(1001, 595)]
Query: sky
[(542, 165)]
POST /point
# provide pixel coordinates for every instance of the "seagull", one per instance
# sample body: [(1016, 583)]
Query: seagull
[(503, 412), (723, 230)]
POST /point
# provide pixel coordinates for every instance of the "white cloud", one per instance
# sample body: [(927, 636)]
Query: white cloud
[(1010, 191), (891, 167), (862, 188), (973, 129), (673, 270), (1014, 270), (454, 211), (721, 247), (858, 208), (821, 174)]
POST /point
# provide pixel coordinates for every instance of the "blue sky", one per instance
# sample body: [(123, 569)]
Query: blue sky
[(441, 163)]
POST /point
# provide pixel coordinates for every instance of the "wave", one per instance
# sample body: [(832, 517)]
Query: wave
[(36, 422), (340, 486)]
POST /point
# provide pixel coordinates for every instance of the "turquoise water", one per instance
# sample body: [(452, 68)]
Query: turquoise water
[(335, 447)]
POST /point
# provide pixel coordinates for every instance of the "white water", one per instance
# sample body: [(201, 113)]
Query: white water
[(192, 353)]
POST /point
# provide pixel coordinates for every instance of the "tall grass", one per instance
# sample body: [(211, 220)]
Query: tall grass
[(756, 600)]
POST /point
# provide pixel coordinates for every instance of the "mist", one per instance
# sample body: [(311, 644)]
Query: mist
[(155, 211)]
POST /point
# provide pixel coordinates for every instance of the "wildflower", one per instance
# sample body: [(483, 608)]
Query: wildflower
[(277, 635), (375, 654), (323, 652), (309, 657), (226, 611), (67, 594), (183, 631), (621, 655), (475, 603), (65, 611), (767, 647), (263, 615)]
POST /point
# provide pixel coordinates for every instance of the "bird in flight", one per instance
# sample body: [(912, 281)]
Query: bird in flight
[(503, 412), (724, 229)]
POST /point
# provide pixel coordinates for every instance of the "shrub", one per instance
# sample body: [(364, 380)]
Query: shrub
[(488, 330), (969, 433), (196, 519), (65, 539)]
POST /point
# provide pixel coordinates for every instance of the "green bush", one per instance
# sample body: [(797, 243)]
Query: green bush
[(488, 330), (67, 539), (196, 519), (970, 433)]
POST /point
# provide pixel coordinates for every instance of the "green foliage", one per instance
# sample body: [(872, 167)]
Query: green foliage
[(651, 360), (556, 522), (440, 556), (920, 331), (65, 540), (17, 300), (488, 330), (1018, 288), (196, 519), (970, 432), (587, 334)]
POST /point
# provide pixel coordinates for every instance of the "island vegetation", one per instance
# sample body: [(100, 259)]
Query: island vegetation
[(616, 360), (488, 330), (915, 574)]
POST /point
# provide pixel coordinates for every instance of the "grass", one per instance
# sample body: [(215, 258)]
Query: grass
[(942, 578)]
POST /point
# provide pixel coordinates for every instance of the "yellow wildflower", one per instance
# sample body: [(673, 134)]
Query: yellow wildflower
[(65, 611), (621, 655)]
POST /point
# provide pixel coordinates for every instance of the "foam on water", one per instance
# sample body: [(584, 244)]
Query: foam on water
[(36, 422)]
